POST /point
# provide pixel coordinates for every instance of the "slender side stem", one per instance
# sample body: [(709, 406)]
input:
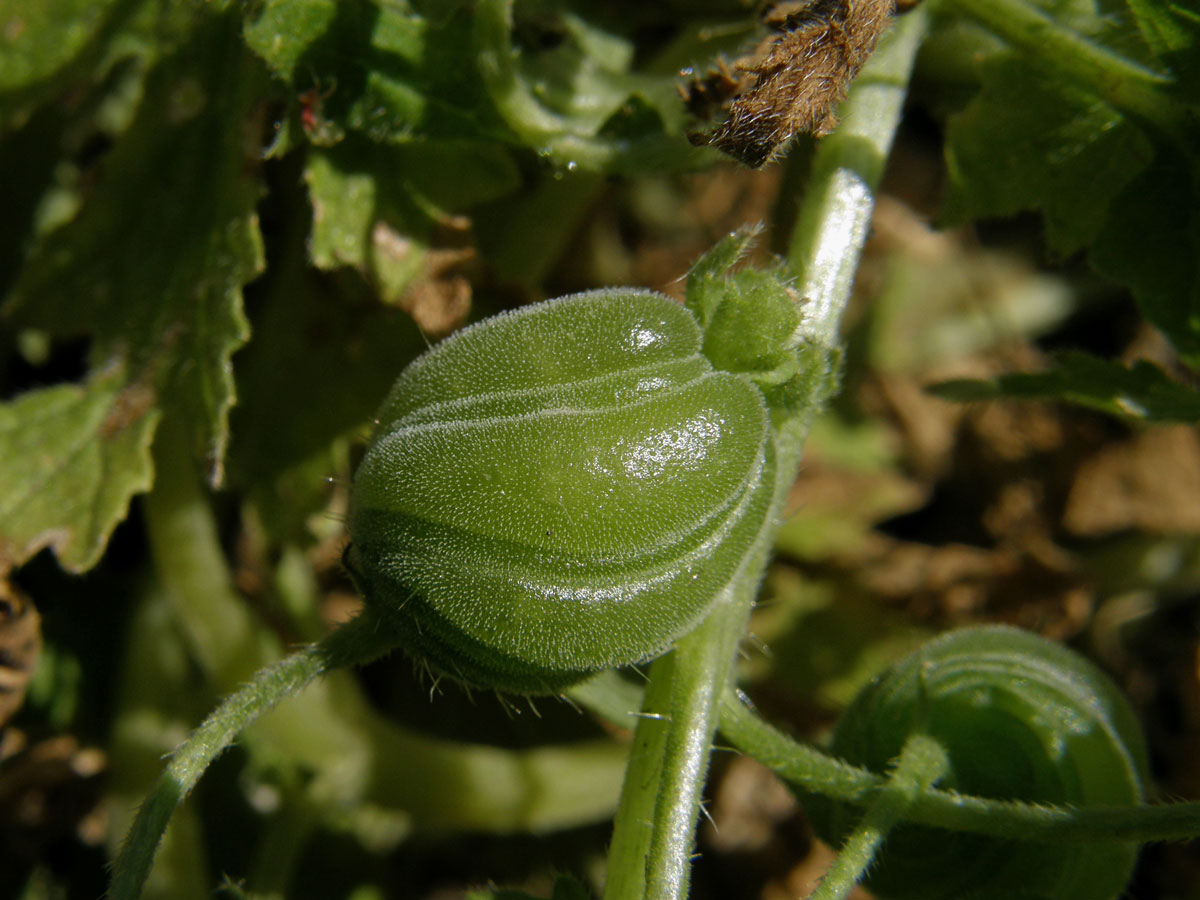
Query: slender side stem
[(800, 764), (191, 566), (921, 763), (814, 772), (834, 218), (354, 643), (1076, 59)]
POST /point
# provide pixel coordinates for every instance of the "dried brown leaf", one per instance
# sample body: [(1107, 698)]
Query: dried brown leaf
[(794, 81)]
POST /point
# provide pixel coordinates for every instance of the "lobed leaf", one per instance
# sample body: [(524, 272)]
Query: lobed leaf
[(151, 268), (1102, 145), (1150, 241), (40, 38), (1142, 391), (1028, 142), (375, 207), (71, 458), (578, 102)]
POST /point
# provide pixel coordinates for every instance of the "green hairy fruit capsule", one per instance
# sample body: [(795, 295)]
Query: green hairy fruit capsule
[(559, 489), (1020, 718)]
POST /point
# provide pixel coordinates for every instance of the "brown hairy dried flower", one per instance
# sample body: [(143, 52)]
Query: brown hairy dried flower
[(795, 78)]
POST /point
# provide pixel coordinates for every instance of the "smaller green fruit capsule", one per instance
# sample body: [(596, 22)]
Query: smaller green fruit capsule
[(1021, 718), (559, 489)]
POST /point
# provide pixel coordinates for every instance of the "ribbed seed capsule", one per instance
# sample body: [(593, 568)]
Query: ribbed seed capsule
[(1021, 718), (559, 489)]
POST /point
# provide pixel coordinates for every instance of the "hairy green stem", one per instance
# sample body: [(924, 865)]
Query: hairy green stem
[(703, 665), (651, 859), (817, 773), (1076, 59), (357, 642), (835, 215), (651, 852), (630, 848), (921, 763), (190, 564), (156, 703)]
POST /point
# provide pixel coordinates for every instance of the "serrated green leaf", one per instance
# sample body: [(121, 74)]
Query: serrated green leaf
[(376, 68), (1142, 392), (375, 206), (344, 211), (393, 75), (568, 101), (152, 267), (283, 32), (71, 457), (62, 52), (1103, 145), (1028, 142)]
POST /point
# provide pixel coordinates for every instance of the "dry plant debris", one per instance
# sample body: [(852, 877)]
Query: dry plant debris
[(793, 81)]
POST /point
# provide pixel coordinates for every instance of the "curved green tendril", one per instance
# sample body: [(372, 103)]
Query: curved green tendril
[(808, 768), (355, 643)]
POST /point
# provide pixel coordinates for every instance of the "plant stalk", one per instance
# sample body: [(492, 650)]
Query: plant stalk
[(835, 214), (702, 667), (652, 859), (921, 763), (815, 772), (356, 642), (639, 791)]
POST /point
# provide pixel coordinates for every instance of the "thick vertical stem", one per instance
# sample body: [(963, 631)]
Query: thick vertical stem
[(703, 663), (825, 249), (835, 215), (631, 844)]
